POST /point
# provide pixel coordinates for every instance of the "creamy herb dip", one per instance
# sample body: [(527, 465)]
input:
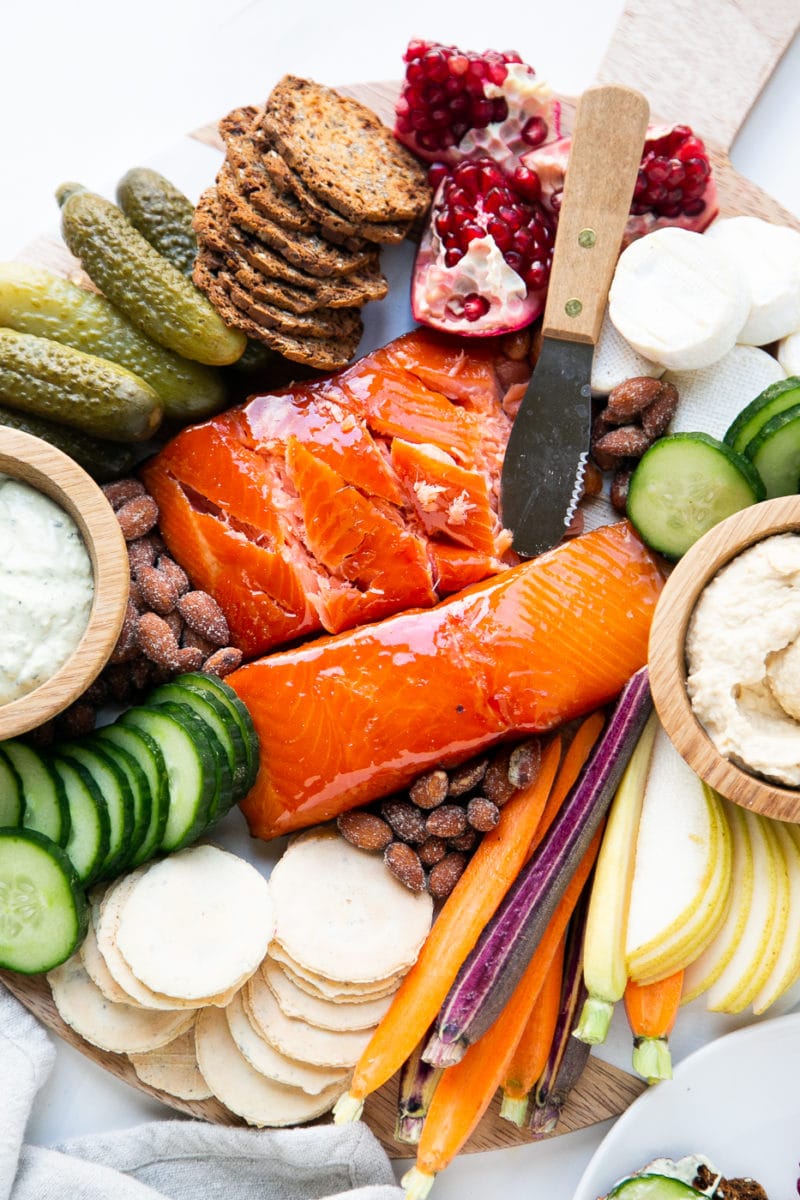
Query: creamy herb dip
[(46, 588), (743, 659)]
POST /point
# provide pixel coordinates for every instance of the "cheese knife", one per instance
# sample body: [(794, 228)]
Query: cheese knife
[(547, 451)]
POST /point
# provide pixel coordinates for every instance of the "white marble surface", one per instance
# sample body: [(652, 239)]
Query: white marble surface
[(91, 88)]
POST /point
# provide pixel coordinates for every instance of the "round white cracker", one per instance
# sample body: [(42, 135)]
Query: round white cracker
[(173, 1068), (108, 916), (325, 1014), (298, 1039), (334, 990), (98, 971), (341, 914), (116, 1027), (196, 924), (270, 1062), (245, 1091)]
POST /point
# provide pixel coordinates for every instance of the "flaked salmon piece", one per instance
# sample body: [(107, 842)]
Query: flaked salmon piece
[(455, 567), (449, 500), (447, 366), (334, 435), (346, 719)]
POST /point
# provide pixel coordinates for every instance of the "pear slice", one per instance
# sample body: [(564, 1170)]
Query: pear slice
[(707, 968), (757, 949), (682, 874), (787, 964)]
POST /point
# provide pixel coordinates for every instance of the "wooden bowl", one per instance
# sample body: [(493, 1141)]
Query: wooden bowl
[(667, 661), (56, 475)]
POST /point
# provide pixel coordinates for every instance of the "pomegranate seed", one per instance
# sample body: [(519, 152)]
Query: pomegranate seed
[(436, 173), (514, 260), (536, 275), (458, 64), (694, 207), (527, 183), (494, 200), (669, 210), (497, 73), (475, 306), (555, 200), (502, 235), (534, 131), (657, 172), (468, 176), (453, 257), (523, 242), (676, 174), (511, 56), (511, 216), (691, 148), (491, 177)]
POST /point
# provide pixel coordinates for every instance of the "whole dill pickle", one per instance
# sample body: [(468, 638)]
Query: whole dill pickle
[(33, 300), (162, 215), (150, 291), (102, 460)]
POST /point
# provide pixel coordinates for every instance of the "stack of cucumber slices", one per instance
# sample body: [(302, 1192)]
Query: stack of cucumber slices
[(90, 809), (686, 483)]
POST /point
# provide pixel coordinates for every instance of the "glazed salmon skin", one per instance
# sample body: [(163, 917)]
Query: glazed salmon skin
[(344, 499), (346, 719)]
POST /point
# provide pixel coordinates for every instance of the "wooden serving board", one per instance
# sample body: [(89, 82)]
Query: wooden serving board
[(701, 65)]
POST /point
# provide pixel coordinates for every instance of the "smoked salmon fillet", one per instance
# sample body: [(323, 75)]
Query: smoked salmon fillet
[(344, 720), (348, 498)]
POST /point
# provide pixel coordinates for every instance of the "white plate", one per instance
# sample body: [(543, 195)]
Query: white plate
[(735, 1100)]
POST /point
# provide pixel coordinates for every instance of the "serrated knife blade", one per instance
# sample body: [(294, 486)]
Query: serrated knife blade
[(549, 444)]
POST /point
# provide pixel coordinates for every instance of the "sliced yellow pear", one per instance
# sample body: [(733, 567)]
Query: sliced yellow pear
[(709, 965), (682, 874), (757, 949), (787, 963)]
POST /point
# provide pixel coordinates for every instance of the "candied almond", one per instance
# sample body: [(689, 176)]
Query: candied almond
[(466, 841), (626, 441), (430, 789), (122, 490), (447, 821), (190, 638), (137, 517), (223, 661), (121, 681), (496, 784), (592, 479), (619, 489), (189, 658), (524, 763), (158, 591), (657, 416), (127, 646), (630, 398), (142, 552), (466, 777), (175, 622), (432, 851), (405, 819), (175, 573), (446, 874), (482, 813), (77, 720), (404, 864), (204, 615), (516, 345), (157, 641), (365, 830)]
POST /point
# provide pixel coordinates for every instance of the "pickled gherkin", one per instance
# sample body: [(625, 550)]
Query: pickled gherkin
[(150, 291), (162, 215), (35, 301)]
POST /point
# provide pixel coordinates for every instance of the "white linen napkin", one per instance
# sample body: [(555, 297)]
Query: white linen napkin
[(183, 1160)]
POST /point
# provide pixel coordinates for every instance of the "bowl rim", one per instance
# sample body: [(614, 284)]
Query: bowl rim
[(666, 656), (54, 473)]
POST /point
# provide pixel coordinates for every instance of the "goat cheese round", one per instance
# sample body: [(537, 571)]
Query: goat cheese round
[(677, 299), (768, 259), (743, 658), (46, 588)]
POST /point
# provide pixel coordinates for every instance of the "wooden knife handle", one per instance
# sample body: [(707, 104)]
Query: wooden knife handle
[(606, 151)]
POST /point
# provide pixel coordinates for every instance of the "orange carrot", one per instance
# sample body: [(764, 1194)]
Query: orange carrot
[(651, 1009), (470, 905), (531, 1054), (466, 1089), (577, 753)]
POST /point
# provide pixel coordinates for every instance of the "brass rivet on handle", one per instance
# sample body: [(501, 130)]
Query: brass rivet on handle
[(573, 307), (587, 238)]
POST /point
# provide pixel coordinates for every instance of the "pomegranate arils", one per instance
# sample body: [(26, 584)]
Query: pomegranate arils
[(674, 170), (475, 306), (534, 131)]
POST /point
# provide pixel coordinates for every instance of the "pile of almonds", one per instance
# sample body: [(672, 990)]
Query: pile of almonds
[(428, 835), (168, 627), (637, 412)]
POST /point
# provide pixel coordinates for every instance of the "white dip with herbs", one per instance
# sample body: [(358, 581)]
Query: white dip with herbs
[(743, 658), (46, 588)]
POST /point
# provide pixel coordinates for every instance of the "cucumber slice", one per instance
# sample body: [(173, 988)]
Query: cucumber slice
[(140, 792), (46, 809), (225, 732), (751, 420), (147, 753), (206, 685), (684, 485), (88, 843), (775, 453), (653, 1187), (43, 912), (117, 797), (192, 768), (12, 801)]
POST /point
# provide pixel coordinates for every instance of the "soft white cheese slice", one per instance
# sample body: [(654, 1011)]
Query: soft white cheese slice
[(711, 398), (789, 353), (615, 360), (768, 259), (678, 300)]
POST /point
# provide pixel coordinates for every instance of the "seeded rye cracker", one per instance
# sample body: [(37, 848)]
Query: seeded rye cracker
[(342, 323), (344, 153), (308, 251)]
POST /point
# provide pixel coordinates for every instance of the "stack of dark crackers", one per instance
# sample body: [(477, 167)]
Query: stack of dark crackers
[(289, 237)]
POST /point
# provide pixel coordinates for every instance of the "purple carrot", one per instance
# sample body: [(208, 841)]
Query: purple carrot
[(417, 1084), (495, 965)]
